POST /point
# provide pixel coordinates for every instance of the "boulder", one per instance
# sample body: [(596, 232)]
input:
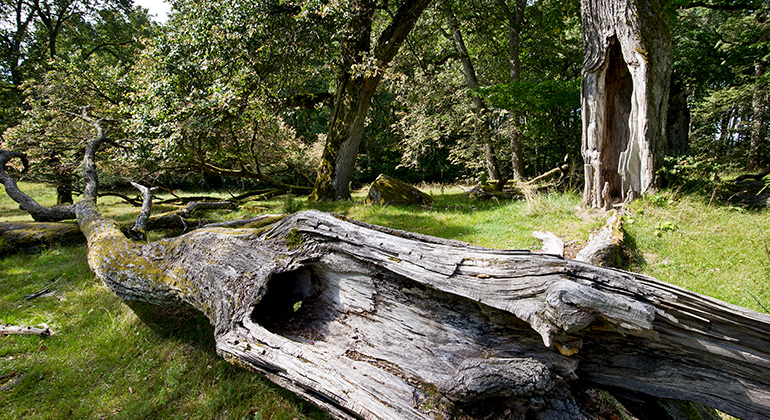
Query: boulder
[(390, 191)]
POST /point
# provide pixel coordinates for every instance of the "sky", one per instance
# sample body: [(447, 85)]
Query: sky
[(159, 8)]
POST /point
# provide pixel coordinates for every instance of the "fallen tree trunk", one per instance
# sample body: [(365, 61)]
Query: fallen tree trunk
[(368, 322), (31, 236)]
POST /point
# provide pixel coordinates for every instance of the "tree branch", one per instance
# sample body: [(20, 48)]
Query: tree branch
[(38, 212), (138, 231)]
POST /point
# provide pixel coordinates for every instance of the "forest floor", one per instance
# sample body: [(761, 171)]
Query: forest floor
[(102, 362)]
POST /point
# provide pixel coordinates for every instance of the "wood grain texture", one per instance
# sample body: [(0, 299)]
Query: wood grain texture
[(369, 322)]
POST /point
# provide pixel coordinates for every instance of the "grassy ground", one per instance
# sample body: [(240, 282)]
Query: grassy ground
[(104, 363)]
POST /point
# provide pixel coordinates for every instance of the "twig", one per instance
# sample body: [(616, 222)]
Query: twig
[(7, 329), (12, 383), (43, 291)]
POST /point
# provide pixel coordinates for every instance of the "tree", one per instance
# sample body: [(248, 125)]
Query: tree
[(719, 58), (358, 75), (515, 17), (220, 87), (480, 108), (540, 112), (626, 75), (92, 73), (16, 18)]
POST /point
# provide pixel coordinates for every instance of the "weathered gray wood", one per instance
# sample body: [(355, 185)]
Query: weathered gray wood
[(603, 246), (360, 319), (43, 331), (552, 244), (139, 228), (626, 71)]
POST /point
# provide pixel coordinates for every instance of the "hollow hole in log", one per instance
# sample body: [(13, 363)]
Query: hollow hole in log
[(619, 88), (292, 304)]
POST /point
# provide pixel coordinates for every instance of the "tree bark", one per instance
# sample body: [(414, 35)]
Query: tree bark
[(368, 322), (626, 73), (356, 86), (38, 212), (515, 19), (479, 107)]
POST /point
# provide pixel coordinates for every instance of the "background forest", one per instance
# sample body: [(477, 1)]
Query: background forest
[(241, 93)]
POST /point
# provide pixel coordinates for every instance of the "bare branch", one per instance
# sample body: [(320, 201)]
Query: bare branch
[(139, 228)]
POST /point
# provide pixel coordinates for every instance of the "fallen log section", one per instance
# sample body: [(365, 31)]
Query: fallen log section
[(44, 330), (372, 323)]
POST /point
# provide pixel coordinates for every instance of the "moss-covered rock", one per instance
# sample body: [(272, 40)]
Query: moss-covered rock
[(390, 191)]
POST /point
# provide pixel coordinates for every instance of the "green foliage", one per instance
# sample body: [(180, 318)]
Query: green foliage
[(215, 84), (436, 115), (693, 173), (716, 52), (537, 97), (91, 76)]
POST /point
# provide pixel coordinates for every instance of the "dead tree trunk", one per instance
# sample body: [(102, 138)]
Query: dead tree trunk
[(373, 323), (626, 73)]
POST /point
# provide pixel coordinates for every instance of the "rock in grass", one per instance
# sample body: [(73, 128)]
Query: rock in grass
[(390, 191)]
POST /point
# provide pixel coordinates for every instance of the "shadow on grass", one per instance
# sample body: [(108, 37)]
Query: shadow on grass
[(630, 255)]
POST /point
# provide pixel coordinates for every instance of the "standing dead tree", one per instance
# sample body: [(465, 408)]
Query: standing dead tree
[(626, 72)]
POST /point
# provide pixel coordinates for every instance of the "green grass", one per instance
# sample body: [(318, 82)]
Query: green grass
[(104, 362), (720, 251)]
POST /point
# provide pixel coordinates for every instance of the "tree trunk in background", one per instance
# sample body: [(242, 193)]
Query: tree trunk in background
[(758, 129), (678, 121), (515, 18), (355, 89), (479, 107), (625, 87)]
